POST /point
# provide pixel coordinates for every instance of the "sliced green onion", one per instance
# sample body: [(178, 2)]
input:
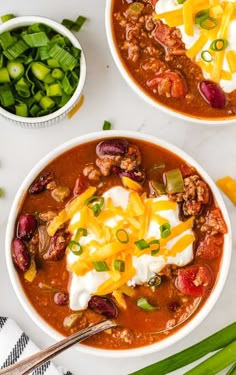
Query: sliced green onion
[(36, 39), (6, 97), (100, 266), (157, 249), (81, 232), (7, 17), (67, 23), (95, 203), (122, 236), (209, 24), (34, 110), (106, 125), (142, 244), (15, 69), (219, 45), (17, 49), (52, 63), (174, 181), (64, 58), (38, 96), (1, 192), (165, 230), (206, 56), (68, 87), (4, 75), (119, 265), (181, 1), (44, 52), (7, 40), (155, 281), (21, 110), (75, 247), (39, 70), (47, 103), (78, 23), (201, 16), (54, 90), (22, 87), (144, 305), (48, 79), (57, 74)]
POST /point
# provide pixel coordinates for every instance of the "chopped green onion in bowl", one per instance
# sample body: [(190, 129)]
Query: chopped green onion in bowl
[(42, 71)]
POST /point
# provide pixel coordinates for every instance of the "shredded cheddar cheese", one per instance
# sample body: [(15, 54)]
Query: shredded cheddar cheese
[(200, 33), (228, 186)]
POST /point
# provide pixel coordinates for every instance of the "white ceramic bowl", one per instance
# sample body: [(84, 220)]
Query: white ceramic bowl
[(40, 122), (140, 91), (169, 340)]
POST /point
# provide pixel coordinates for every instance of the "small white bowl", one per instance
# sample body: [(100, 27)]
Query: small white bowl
[(169, 340), (52, 118), (138, 89)]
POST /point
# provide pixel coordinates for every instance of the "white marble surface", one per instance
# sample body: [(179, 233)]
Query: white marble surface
[(106, 97)]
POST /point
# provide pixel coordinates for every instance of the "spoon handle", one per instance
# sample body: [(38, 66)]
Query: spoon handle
[(27, 365)]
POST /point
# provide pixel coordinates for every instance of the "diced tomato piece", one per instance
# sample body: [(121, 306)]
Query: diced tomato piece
[(194, 280), (187, 170), (210, 247)]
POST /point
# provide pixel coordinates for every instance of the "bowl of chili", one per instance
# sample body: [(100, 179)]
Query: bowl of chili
[(176, 56), (42, 72), (135, 227)]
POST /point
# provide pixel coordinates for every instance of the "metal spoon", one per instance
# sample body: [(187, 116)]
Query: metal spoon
[(26, 366)]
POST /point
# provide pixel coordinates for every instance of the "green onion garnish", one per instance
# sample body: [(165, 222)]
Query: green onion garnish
[(75, 247), (142, 244), (165, 230), (35, 59), (106, 125), (209, 24), (201, 16), (181, 1), (206, 56), (7, 17), (219, 45), (156, 249), (122, 236), (81, 232), (100, 266), (95, 203), (174, 181), (119, 265), (144, 305), (75, 26), (1, 192), (155, 281)]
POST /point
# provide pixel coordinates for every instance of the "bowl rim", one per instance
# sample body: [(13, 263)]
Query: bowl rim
[(140, 91), (169, 340), (61, 29)]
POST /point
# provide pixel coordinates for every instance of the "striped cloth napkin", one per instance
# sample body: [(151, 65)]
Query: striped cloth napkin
[(15, 345)]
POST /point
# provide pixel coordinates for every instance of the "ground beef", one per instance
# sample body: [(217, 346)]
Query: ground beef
[(214, 223)]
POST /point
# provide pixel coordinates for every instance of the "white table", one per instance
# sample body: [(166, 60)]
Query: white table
[(106, 96)]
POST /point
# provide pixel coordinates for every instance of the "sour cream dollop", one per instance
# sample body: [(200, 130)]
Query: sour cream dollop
[(83, 287)]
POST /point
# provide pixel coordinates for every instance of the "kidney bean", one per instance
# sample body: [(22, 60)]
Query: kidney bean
[(174, 306), (27, 225), (40, 184), (61, 298), (212, 93), (104, 306), (136, 175), (57, 246), (80, 185), (112, 147), (20, 254)]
